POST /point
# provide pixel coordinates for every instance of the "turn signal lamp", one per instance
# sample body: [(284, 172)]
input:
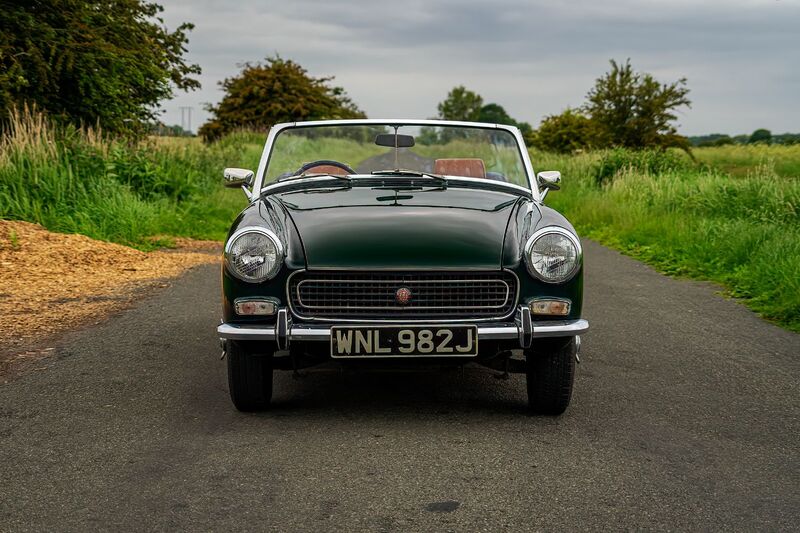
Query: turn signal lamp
[(549, 307), (255, 307)]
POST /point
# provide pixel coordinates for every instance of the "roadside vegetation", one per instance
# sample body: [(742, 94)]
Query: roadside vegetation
[(139, 194), (81, 83), (733, 218)]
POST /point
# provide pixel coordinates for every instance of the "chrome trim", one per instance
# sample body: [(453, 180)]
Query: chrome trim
[(505, 300), (400, 320), (524, 326), (283, 328), (561, 231), (253, 229), (277, 128), (503, 331), (452, 181)]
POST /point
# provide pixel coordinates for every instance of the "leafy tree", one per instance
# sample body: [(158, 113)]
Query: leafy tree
[(106, 62), (565, 133), (760, 136), (277, 91), (634, 110), (466, 105), (461, 104), (496, 114)]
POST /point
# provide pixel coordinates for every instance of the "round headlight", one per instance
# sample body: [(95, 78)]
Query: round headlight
[(553, 255), (254, 254)]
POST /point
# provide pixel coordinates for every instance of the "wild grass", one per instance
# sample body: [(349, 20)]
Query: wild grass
[(696, 221), (731, 218), (740, 160), (77, 181)]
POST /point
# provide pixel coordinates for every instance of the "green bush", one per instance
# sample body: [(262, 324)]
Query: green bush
[(617, 160)]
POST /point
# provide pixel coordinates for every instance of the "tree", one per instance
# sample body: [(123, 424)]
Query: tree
[(495, 114), (91, 62), (565, 133), (461, 104), (277, 91), (760, 136), (634, 110)]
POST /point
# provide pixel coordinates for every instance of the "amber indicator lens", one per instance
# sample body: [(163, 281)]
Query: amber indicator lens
[(549, 307), (255, 307)]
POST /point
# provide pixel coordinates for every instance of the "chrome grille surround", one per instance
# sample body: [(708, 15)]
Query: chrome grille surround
[(369, 295)]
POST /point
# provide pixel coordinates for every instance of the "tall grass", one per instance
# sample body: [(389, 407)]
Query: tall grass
[(731, 218), (741, 231), (78, 181), (740, 160)]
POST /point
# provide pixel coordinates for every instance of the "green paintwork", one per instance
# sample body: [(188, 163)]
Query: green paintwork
[(366, 227), (369, 228)]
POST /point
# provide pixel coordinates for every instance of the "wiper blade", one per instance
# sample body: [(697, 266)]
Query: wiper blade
[(414, 173), (346, 179)]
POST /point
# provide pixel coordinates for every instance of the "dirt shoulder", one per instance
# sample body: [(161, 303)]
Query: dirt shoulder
[(54, 282)]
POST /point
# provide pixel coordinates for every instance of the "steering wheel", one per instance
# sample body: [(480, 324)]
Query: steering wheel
[(324, 166)]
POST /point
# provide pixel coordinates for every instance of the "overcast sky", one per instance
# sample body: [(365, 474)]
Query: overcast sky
[(535, 58)]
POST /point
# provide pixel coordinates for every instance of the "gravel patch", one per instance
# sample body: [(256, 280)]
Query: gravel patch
[(54, 282)]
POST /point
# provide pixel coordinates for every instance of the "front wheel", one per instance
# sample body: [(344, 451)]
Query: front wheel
[(249, 377), (550, 372)]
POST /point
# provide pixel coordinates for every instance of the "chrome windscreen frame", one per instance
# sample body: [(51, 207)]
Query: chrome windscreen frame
[(258, 185)]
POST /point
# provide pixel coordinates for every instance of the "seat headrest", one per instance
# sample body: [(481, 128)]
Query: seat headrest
[(325, 169), (470, 168)]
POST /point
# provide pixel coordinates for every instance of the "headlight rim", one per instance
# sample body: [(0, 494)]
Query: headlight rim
[(263, 231), (560, 231)]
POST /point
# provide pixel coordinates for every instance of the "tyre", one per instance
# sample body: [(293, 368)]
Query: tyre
[(550, 373), (249, 377)]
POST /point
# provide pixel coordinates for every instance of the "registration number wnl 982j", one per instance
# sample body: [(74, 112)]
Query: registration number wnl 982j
[(404, 341)]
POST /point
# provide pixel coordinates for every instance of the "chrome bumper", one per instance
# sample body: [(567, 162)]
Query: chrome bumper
[(523, 329)]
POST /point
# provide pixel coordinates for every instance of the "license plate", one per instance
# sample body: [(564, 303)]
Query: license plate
[(404, 341)]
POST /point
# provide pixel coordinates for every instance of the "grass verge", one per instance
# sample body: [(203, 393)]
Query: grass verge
[(732, 217), (73, 181), (695, 221)]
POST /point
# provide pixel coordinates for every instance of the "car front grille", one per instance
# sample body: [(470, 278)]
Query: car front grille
[(432, 295)]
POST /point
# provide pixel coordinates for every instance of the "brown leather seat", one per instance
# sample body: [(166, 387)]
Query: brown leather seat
[(326, 169), (470, 168)]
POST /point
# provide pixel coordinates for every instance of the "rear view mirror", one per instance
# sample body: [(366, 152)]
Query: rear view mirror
[(394, 141)]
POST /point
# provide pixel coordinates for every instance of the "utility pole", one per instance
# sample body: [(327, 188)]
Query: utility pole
[(186, 118)]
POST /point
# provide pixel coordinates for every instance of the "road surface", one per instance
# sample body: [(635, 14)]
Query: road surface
[(685, 417)]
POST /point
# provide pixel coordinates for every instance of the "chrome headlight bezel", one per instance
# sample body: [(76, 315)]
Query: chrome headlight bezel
[(559, 231), (279, 254)]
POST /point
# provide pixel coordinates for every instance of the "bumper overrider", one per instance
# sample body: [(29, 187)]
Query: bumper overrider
[(284, 332)]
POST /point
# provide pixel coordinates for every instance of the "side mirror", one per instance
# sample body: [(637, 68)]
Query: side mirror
[(240, 177), (236, 177), (548, 180)]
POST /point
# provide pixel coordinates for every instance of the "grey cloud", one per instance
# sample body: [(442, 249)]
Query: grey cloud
[(533, 57)]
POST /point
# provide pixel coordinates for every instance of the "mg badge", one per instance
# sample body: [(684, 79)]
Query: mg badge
[(403, 296)]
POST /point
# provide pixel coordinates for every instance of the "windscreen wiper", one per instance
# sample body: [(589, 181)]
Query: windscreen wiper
[(346, 179), (441, 180)]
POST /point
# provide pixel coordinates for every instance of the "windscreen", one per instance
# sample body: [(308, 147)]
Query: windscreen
[(363, 149)]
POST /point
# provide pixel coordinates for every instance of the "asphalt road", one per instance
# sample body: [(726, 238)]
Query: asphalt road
[(685, 417)]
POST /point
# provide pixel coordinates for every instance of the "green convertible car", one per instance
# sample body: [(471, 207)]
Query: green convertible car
[(400, 242)]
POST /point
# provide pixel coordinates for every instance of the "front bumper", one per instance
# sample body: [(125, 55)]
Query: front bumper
[(283, 332)]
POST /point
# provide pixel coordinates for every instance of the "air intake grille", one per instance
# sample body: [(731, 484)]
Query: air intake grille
[(380, 295)]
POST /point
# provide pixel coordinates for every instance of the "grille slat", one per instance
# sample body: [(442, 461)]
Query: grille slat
[(435, 295)]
